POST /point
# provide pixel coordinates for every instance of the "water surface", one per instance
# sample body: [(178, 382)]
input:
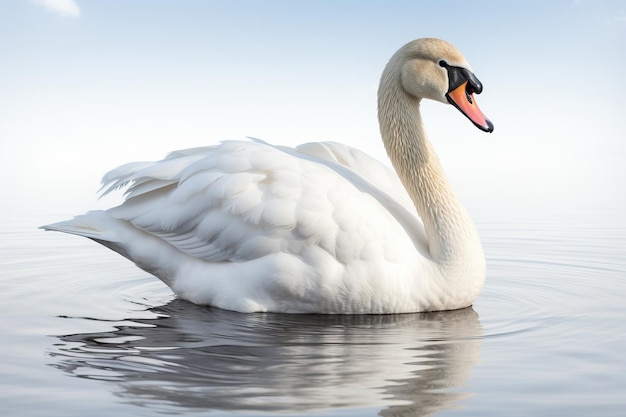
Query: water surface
[(84, 332)]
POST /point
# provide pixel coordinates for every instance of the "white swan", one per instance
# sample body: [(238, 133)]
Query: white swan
[(322, 228)]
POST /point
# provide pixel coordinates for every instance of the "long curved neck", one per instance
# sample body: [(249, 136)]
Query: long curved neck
[(447, 224)]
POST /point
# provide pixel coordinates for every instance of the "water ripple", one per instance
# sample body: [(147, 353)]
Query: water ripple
[(196, 358)]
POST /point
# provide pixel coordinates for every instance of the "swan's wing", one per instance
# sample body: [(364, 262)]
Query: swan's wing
[(243, 200), (364, 165)]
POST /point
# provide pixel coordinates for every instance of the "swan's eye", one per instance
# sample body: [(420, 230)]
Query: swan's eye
[(443, 63)]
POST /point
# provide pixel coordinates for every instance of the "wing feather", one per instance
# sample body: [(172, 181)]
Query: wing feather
[(242, 200)]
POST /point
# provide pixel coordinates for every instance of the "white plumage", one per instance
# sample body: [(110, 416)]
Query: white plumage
[(322, 228)]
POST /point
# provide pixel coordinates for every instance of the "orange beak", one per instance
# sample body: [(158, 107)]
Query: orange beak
[(464, 100)]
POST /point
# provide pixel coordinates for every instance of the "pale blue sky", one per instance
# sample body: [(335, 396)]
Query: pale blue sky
[(88, 85)]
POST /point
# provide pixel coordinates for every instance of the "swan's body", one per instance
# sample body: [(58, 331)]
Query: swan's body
[(321, 228)]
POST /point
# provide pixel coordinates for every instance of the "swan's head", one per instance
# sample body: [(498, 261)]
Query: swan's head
[(434, 69)]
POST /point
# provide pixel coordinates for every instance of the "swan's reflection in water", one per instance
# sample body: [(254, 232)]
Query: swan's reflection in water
[(195, 358)]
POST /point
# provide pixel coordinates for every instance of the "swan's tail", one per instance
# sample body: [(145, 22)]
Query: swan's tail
[(97, 225), (147, 251)]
